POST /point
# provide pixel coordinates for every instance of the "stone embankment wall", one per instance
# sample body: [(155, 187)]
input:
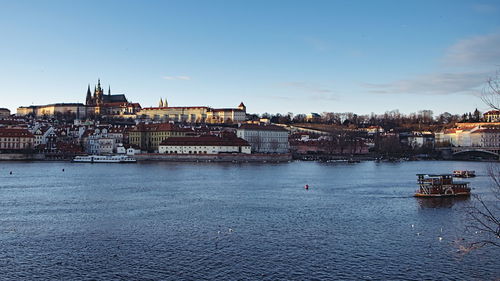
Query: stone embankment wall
[(20, 157), (214, 158)]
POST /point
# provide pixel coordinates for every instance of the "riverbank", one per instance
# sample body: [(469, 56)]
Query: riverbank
[(214, 158), (163, 157), (21, 157), (235, 158)]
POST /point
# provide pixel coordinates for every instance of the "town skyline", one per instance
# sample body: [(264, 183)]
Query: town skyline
[(324, 56), (164, 102)]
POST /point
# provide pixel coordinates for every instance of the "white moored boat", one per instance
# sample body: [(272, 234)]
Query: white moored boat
[(104, 159)]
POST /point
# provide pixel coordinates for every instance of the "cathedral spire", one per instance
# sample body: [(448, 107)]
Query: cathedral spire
[(88, 100), (99, 89), (109, 90), (160, 104), (165, 103)]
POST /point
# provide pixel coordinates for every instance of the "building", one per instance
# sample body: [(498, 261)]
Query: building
[(4, 113), (373, 130), (75, 110), (489, 137), (149, 136), (421, 139), (16, 139), (193, 114), (107, 145), (204, 145), (492, 116), (266, 138), (100, 141), (456, 137), (480, 135), (313, 117), (119, 133), (41, 134)]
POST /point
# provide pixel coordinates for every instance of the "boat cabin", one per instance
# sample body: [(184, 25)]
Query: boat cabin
[(438, 185), (464, 174)]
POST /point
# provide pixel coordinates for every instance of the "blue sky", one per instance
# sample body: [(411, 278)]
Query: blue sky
[(276, 56)]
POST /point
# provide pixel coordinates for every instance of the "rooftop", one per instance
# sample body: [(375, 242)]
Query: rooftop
[(205, 140), (54, 104), (492, 112), (159, 127), (9, 132), (175, 107), (256, 127)]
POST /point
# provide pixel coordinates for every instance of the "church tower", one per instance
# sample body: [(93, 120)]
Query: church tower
[(88, 99), (160, 104), (98, 92), (242, 107), (165, 103)]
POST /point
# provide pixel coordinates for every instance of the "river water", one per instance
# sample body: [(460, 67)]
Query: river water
[(214, 221)]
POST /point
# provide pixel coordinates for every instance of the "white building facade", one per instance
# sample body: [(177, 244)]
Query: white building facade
[(265, 139), (470, 137), (204, 145)]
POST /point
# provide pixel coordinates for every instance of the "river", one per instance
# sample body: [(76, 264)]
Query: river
[(226, 221)]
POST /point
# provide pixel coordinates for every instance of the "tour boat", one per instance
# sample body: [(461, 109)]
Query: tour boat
[(464, 174), (440, 185), (104, 159)]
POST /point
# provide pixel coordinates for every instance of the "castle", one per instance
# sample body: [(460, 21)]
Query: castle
[(98, 103)]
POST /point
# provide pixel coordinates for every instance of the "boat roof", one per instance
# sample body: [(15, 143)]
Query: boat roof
[(436, 175)]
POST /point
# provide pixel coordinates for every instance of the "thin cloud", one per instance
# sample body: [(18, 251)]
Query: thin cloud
[(472, 60), (484, 8), (282, 98), (433, 84), (307, 87), (314, 92), (180, 77), (483, 50), (317, 44), (325, 97)]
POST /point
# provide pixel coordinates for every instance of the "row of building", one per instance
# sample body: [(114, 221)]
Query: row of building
[(19, 134), (246, 138), (98, 103), (91, 137), (470, 135)]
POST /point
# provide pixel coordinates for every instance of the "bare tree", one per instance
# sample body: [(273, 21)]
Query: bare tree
[(483, 216), (491, 92)]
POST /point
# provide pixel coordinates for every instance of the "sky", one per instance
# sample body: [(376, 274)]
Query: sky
[(276, 56)]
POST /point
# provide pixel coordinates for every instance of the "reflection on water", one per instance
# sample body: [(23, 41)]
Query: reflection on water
[(441, 202)]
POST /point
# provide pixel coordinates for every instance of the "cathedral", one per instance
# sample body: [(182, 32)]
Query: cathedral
[(107, 104), (99, 98)]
